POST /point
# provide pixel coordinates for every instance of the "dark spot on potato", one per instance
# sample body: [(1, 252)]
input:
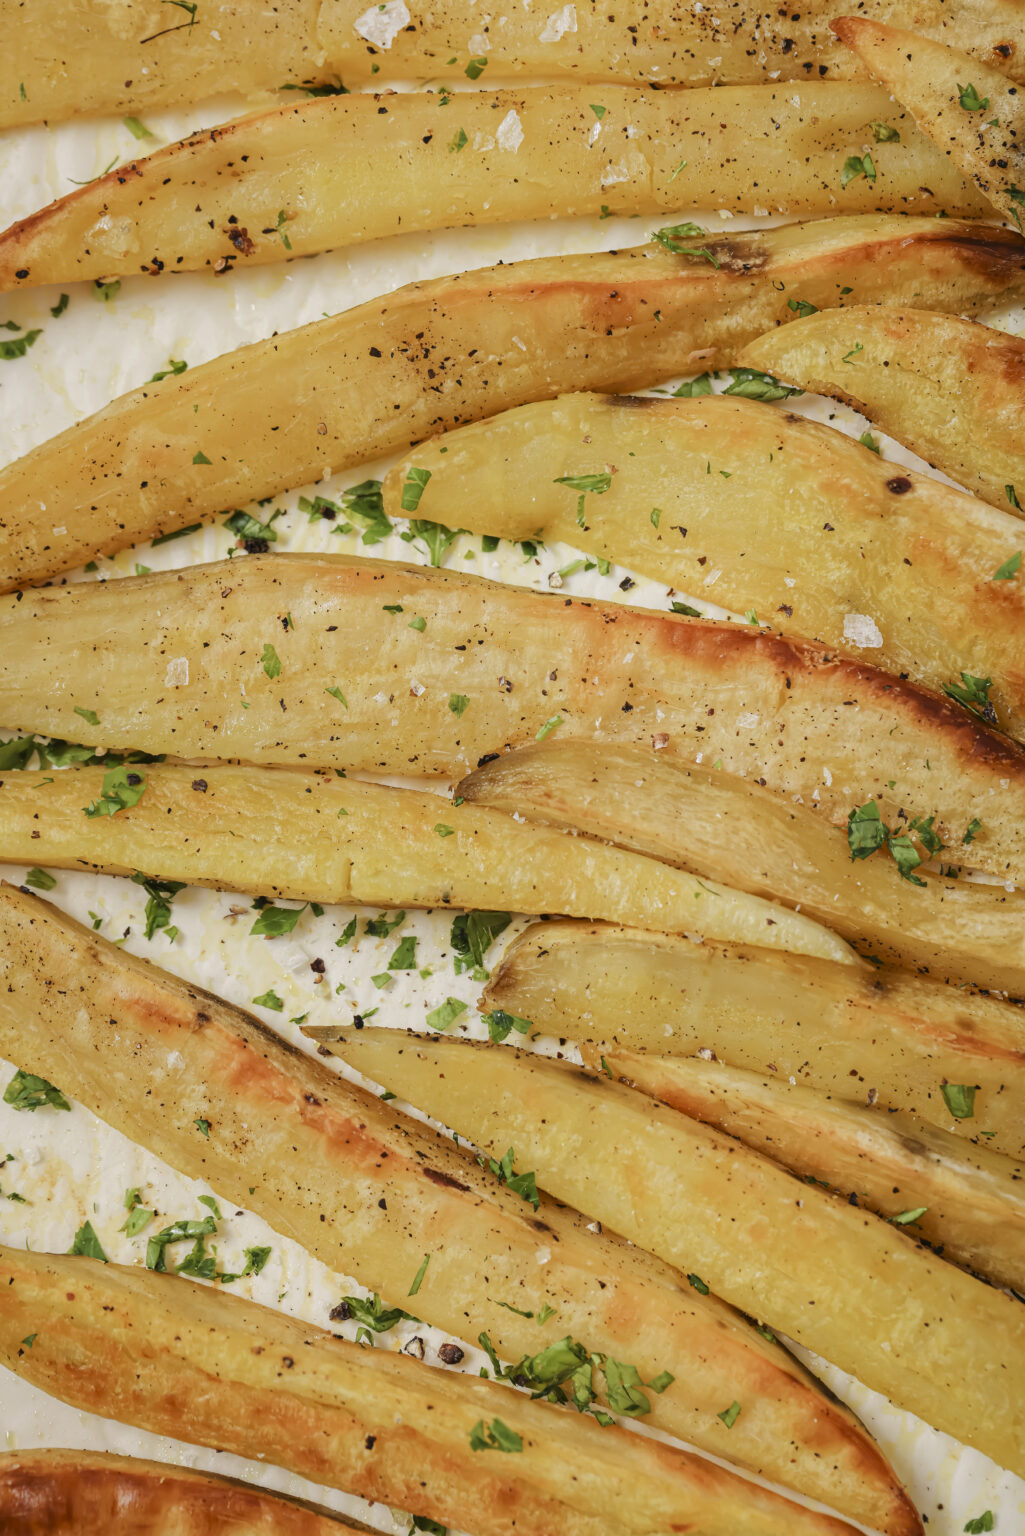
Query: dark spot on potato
[(899, 485), (445, 1180)]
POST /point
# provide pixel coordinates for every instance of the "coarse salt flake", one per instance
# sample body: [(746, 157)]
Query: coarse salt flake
[(177, 674), (510, 133), (559, 23), (382, 24), (861, 630)]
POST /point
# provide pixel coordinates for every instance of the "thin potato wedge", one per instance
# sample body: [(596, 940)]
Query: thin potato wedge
[(331, 1166), (951, 389), (812, 532), (968, 1202), (179, 1358), (200, 663), (971, 111), (293, 181), (89, 1493), (724, 828), (376, 379), (855, 1289), (884, 1038), (137, 56), (317, 838)]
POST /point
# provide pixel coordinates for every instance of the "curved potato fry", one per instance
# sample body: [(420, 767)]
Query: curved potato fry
[(286, 411), (339, 1172), (972, 112), (229, 45), (889, 1037), (183, 1359), (811, 532), (970, 1200), (315, 838), (293, 181), (91, 1493), (724, 828), (950, 389), (222, 675), (855, 1289)]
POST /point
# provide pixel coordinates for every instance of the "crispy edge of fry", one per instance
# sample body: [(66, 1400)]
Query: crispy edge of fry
[(309, 1128), (887, 1034), (782, 1249)]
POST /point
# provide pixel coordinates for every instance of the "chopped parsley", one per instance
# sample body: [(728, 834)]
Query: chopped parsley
[(960, 1099), (599, 112), (564, 1372), (106, 291), (551, 724), (279, 225), (698, 1284), (522, 1184), (413, 488), (380, 927), (1010, 568), (802, 308), (457, 703), (136, 129), (457, 142), (199, 457), (270, 661), (974, 826), (973, 693), (475, 68), (336, 693), (1012, 496), (867, 832), (472, 935), (671, 237), (436, 537), (496, 1436), (730, 1415), (203, 1127), (868, 441), (175, 366), (269, 999), (501, 1024), (87, 1244), (273, 921), (17, 347), (365, 503), (855, 166), (25, 1091), (40, 880), (122, 787), (368, 1313), (404, 958), (702, 385), (884, 133), (907, 1217), (983, 1522), (445, 1014), (750, 384), (970, 99), (418, 1278), (61, 305), (160, 894)]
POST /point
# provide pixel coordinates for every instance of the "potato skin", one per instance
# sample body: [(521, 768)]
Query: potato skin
[(231, 195), (389, 1191), (844, 1032), (88, 1493), (382, 376), (772, 708)]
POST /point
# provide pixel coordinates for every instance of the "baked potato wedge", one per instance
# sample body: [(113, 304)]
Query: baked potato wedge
[(965, 1200), (91, 1493), (292, 181), (184, 1359), (334, 1168), (136, 55), (883, 1037), (724, 828), (804, 528), (288, 410), (315, 837), (244, 659), (951, 389), (971, 111), (857, 1290)]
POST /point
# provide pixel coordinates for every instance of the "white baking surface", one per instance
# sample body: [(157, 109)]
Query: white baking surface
[(70, 1167)]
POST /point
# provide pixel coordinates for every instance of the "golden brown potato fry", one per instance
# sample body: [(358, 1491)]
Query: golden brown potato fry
[(968, 1202), (183, 1359), (293, 181), (855, 1289), (312, 837), (286, 411), (812, 532), (723, 828), (881, 1037), (222, 676), (950, 389), (333, 1168), (89, 1493), (972, 112), (231, 46)]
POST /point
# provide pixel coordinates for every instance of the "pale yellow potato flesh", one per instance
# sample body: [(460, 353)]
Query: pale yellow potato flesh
[(293, 181), (724, 828), (111, 61), (892, 1164), (178, 1358), (199, 663), (314, 837), (755, 509), (333, 1168), (857, 1290), (288, 410), (981, 134), (950, 389), (881, 1037), (91, 1493)]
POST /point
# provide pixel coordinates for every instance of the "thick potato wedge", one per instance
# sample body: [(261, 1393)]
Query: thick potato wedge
[(811, 531), (201, 663), (950, 389), (724, 828), (971, 111), (293, 181), (855, 1289), (364, 1191), (286, 411), (134, 54), (884, 1038), (184, 1359), (89, 1493), (971, 1199), (317, 838)]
